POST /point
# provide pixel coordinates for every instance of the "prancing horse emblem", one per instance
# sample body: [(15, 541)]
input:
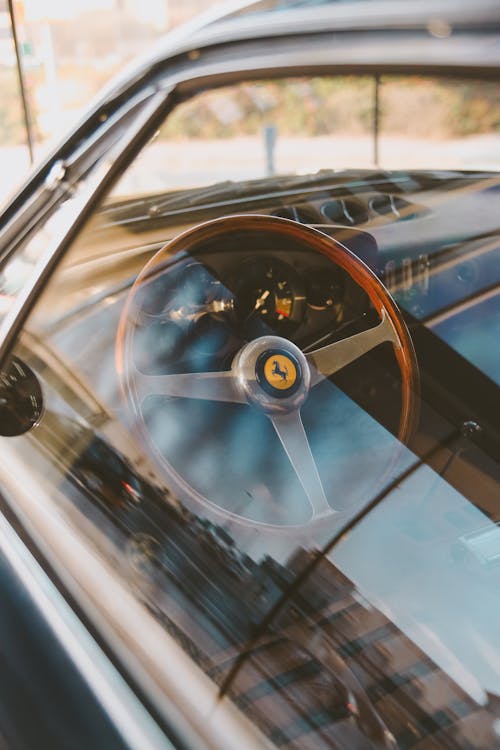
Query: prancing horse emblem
[(279, 371), (282, 373)]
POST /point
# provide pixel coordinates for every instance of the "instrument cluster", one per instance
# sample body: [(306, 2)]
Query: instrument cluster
[(195, 313)]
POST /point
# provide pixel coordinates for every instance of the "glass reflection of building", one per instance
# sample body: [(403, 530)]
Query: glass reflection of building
[(330, 670)]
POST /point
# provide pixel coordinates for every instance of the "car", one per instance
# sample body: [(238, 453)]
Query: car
[(249, 393)]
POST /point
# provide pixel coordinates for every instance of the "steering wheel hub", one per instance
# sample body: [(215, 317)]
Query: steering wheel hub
[(273, 374)]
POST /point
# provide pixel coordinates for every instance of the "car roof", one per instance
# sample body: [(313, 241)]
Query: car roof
[(239, 21)]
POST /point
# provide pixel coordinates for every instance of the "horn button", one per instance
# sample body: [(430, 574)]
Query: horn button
[(273, 373)]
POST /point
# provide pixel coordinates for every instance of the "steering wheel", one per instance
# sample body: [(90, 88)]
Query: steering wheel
[(270, 373)]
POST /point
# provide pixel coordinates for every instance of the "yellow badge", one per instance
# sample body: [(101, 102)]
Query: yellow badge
[(280, 372)]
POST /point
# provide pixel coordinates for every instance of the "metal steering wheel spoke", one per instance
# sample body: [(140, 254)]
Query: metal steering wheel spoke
[(291, 432), (333, 357), (209, 386)]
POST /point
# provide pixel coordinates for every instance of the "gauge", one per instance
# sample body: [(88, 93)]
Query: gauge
[(184, 314), (324, 290), (21, 401), (204, 308), (182, 290), (271, 293), (197, 293)]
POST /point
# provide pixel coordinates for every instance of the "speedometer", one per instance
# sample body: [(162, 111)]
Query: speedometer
[(271, 295)]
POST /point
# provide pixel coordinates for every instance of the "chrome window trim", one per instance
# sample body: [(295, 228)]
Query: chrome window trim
[(65, 174), (84, 204)]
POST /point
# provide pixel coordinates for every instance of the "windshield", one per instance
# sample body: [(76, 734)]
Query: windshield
[(253, 417), (302, 126)]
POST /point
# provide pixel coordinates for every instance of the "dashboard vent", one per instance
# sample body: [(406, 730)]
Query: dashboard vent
[(304, 214), (386, 204), (348, 211)]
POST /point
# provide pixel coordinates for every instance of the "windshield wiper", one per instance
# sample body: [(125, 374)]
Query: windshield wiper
[(227, 190), (262, 187)]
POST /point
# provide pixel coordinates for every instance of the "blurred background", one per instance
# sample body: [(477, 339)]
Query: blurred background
[(70, 48)]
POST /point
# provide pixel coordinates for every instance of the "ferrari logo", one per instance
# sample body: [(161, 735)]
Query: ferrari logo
[(280, 371)]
